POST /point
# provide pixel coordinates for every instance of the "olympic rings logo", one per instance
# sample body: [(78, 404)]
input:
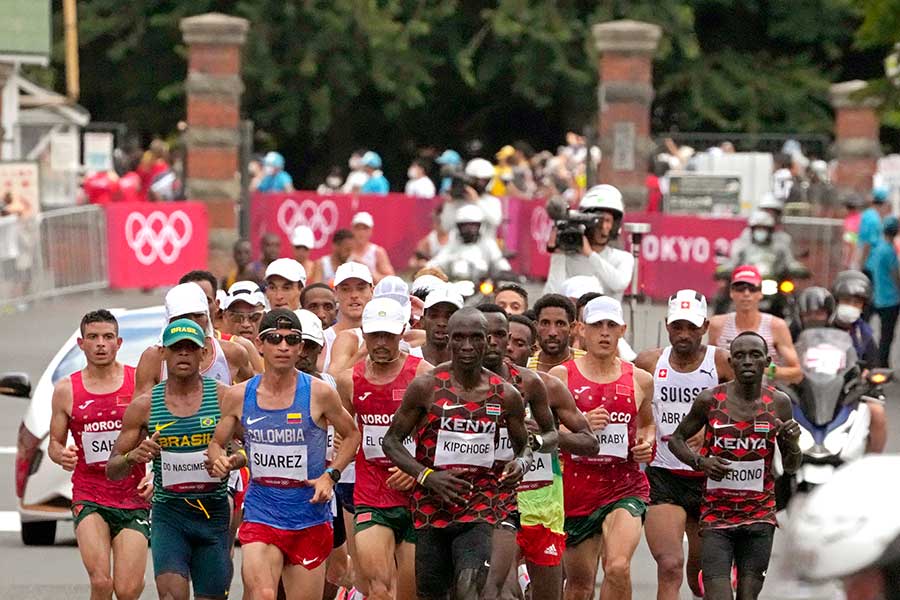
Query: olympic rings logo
[(158, 236), (321, 217), (541, 226)]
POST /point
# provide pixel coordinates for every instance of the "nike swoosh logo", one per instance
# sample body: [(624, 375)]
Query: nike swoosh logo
[(719, 425), (451, 406), (85, 405), (256, 420), (142, 522), (161, 427), (309, 562)]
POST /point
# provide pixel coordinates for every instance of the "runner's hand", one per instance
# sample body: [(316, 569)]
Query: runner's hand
[(532, 426), (715, 468), (695, 442), (146, 451), (513, 473), (789, 430), (324, 488), (400, 481), (642, 452), (448, 486), (68, 458), (145, 487), (220, 467), (598, 418)]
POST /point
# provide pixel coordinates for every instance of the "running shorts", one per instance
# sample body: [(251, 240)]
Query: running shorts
[(396, 518), (442, 553), (540, 545), (748, 547), (308, 547), (668, 488), (579, 529), (116, 519)]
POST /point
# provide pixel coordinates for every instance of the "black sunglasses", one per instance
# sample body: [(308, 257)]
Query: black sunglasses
[(744, 287), (275, 339)]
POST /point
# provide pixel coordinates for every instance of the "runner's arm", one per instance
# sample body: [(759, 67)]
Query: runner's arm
[(383, 262), (64, 456), (344, 383), (788, 434), (239, 359), (416, 400), (256, 361), (231, 404), (791, 371), (577, 439), (693, 422), (333, 411), (514, 409), (424, 367), (133, 435), (148, 370), (345, 352), (536, 395), (723, 365)]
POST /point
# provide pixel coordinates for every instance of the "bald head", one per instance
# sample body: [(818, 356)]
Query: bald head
[(467, 317)]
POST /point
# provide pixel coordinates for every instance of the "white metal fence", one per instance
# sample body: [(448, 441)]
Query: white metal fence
[(56, 252)]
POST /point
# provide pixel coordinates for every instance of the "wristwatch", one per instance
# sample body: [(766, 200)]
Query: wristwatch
[(335, 474), (535, 441)]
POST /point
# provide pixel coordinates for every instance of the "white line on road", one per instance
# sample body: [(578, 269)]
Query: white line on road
[(7, 449), (9, 520)]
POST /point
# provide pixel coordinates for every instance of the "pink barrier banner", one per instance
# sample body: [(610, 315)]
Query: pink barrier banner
[(154, 244), (400, 220)]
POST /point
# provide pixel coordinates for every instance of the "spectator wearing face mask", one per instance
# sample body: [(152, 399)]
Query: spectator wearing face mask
[(419, 185), (377, 183), (332, 184), (358, 175), (275, 179)]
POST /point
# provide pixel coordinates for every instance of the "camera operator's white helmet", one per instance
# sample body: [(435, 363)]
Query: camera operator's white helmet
[(480, 168), (469, 213), (760, 218), (770, 202), (603, 197)]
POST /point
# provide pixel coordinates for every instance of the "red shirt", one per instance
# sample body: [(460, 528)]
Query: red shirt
[(654, 194)]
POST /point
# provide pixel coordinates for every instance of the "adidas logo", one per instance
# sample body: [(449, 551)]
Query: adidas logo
[(551, 550)]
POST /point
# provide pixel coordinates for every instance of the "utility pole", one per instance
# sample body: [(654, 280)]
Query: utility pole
[(70, 19)]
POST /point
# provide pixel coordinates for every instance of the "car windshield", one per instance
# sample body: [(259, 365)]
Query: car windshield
[(139, 330)]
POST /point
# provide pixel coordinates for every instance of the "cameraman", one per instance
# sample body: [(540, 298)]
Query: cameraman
[(613, 267), (470, 187)]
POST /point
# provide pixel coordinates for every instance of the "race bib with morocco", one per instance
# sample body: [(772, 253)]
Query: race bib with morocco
[(613, 441), (373, 435), (744, 476), (278, 466), (186, 472), (97, 445), (458, 449)]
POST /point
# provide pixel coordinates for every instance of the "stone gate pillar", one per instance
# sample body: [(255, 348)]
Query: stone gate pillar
[(856, 136), (626, 50)]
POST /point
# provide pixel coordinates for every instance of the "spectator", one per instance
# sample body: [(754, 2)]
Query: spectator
[(419, 184), (341, 248), (377, 183), (364, 251), (358, 175), (450, 162), (503, 171), (275, 179), (654, 192), (303, 242), (852, 204), (332, 183), (270, 249), (522, 183), (154, 163), (870, 227), (242, 271), (255, 171), (886, 279)]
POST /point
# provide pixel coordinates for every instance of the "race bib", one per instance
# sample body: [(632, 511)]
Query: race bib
[(504, 450), (97, 445), (613, 440), (670, 415), (373, 436), (744, 476), (278, 466), (186, 472), (540, 474), (329, 448), (464, 449)]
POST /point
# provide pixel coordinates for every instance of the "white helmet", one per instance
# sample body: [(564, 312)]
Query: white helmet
[(769, 201), (850, 523), (469, 213), (605, 197), (480, 168), (760, 218)]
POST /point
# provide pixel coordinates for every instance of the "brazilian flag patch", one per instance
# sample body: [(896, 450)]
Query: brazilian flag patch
[(207, 421)]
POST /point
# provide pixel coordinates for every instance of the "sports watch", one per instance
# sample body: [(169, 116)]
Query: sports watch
[(335, 474)]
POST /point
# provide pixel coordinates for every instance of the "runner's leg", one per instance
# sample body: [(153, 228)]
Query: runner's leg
[(406, 571), (504, 551), (581, 564), (546, 582), (664, 529), (172, 586), (375, 565), (301, 583), (717, 559), (752, 551), (695, 550), (129, 563), (92, 534), (471, 552), (261, 570), (621, 535)]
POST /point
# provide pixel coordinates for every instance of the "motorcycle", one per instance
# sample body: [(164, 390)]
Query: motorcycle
[(831, 407)]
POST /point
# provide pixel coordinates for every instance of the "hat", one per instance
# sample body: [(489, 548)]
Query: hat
[(383, 314), (505, 152), (186, 299), (426, 282), (363, 218), (687, 305), (352, 270), (479, 168), (469, 213), (579, 285), (746, 274), (444, 294), (394, 288), (244, 291), (273, 159), (371, 159), (880, 195), (603, 308), (183, 329), (303, 236), (280, 318), (221, 299), (288, 268), (890, 225), (449, 157), (311, 326)]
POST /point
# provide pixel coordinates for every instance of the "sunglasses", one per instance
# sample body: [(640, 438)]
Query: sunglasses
[(292, 339), (240, 317), (744, 287)]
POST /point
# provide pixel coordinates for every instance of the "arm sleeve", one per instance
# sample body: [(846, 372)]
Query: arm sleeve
[(613, 270)]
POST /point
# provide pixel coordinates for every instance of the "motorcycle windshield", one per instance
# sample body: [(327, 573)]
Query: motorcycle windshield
[(764, 259), (826, 355)]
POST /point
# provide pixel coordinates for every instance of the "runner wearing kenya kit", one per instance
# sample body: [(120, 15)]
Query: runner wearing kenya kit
[(536, 507), (374, 387), (456, 411), (743, 422), (190, 540), (680, 372), (282, 414), (606, 495), (109, 515)]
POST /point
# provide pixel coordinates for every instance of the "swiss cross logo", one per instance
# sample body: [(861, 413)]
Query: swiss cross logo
[(663, 373), (686, 304)]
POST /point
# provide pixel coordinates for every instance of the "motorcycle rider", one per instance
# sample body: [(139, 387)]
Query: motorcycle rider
[(613, 267), (472, 256), (852, 291), (477, 176), (759, 239), (815, 308)]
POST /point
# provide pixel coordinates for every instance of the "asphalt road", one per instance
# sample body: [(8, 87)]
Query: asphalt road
[(28, 341)]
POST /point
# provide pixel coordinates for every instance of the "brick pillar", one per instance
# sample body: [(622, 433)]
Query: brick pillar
[(214, 89), (856, 136), (626, 50)]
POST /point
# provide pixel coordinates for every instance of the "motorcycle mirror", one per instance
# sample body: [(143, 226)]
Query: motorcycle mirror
[(15, 384)]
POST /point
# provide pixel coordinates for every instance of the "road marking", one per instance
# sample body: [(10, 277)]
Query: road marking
[(7, 449), (9, 520)]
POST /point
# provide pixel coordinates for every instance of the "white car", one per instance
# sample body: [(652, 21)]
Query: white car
[(43, 488)]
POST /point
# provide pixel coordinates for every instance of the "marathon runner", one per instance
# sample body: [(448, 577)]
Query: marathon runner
[(440, 304), (372, 391), (456, 410), (680, 372), (743, 421), (523, 338), (555, 317), (606, 495), (282, 414), (318, 298), (244, 308), (512, 298), (353, 289), (223, 360), (537, 522), (285, 277), (110, 516), (190, 510)]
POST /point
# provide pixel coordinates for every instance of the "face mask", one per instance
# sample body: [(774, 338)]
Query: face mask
[(760, 236), (412, 174), (847, 313), (269, 170), (333, 182)]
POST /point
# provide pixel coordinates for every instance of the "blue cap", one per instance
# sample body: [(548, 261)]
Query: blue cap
[(880, 194), (372, 160), (891, 225), (274, 159), (449, 157)]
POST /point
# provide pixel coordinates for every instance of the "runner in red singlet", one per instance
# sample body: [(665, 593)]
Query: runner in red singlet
[(372, 391), (743, 420), (109, 515), (458, 408), (606, 495)]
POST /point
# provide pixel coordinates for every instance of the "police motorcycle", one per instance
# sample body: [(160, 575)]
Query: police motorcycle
[(831, 407)]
